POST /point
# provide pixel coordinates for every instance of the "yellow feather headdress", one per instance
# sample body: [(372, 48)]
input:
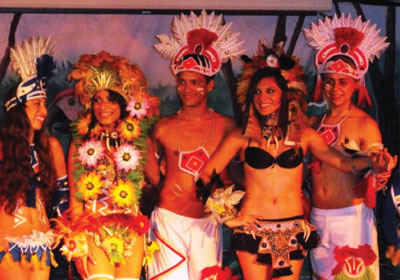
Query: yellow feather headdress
[(94, 72)]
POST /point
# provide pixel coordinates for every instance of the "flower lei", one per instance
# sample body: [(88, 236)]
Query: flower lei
[(111, 176), (128, 159)]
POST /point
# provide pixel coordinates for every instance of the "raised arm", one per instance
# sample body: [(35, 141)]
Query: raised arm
[(313, 141)]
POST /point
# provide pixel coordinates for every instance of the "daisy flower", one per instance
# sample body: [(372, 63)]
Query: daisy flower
[(75, 246), (89, 186), (137, 107), (90, 152), (123, 195), (129, 128), (127, 157)]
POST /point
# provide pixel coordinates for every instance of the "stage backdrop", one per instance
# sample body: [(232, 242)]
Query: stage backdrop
[(133, 36)]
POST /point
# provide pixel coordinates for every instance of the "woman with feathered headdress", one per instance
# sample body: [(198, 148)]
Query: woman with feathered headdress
[(28, 167), (105, 234), (271, 235)]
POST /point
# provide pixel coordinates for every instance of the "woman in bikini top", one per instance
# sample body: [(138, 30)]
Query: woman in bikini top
[(273, 169)]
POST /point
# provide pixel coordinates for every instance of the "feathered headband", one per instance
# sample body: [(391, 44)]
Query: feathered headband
[(199, 44), (94, 72), (273, 58), (344, 36), (34, 64)]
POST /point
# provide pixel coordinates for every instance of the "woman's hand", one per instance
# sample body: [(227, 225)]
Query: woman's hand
[(382, 161), (81, 264), (250, 221)]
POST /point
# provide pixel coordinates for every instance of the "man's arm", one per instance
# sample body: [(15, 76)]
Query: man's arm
[(152, 169)]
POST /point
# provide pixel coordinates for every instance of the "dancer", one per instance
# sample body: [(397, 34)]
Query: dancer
[(105, 161), (29, 167), (188, 241), (341, 202), (271, 236)]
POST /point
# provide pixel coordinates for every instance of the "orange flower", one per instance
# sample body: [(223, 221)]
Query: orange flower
[(83, 125), (129, 128), (154, 109)]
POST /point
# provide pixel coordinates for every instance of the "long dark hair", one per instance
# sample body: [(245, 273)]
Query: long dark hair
[(114, 96), (15, 168), (282, 84)]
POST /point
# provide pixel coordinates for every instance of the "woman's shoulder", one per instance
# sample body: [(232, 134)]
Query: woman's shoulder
[(54, 143)]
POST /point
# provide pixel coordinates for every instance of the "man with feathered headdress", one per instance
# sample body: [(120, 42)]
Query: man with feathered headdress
[(341, 201), (188, 241)]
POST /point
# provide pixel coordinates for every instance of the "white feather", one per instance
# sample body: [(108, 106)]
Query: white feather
[(23, 56), (322, 33), (227, 44)]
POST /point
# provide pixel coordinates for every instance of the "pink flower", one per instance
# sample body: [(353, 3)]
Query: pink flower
[(138, 107), (90, 152)]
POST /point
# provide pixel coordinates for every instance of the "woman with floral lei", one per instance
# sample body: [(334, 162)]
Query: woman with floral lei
[(28, 169), (105, 162), (271, 236)]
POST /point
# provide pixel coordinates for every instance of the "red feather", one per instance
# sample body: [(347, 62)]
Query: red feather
[(218, 273), (201, 36), (348, 35), (317, 91), (363, 97)]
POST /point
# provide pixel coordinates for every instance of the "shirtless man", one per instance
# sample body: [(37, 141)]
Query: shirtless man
[(188, 241), (346, 226)]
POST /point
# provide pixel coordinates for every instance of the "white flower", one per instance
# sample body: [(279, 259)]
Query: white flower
[(90, 152), (127, 157)]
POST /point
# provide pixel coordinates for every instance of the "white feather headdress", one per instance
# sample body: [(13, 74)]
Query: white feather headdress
[(24, 56), (204, 35), (323, 33), (343, 36), (27, 59)]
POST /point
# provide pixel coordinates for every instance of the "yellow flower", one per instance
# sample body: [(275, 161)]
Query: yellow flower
[(129, 129), (123, 194), (114, 247), (114, 243), (149, 250), (89, 186)]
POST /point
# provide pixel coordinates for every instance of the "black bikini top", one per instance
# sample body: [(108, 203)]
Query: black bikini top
[(260, 159)]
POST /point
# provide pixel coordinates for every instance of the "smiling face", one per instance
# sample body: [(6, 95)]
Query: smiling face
[(338, 89), (36, 112), (267, 96), (193, 88), (106, 110)]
